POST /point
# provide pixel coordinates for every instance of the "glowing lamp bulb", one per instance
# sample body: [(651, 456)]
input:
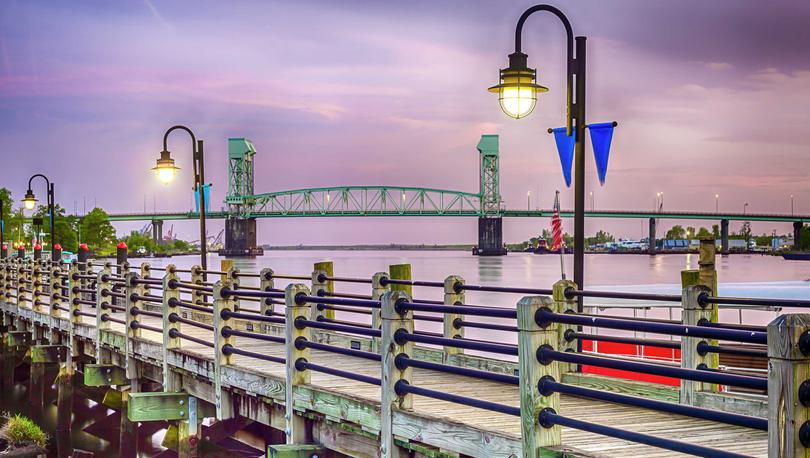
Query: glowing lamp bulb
[(29, 201), (517, 91), (165, 168)]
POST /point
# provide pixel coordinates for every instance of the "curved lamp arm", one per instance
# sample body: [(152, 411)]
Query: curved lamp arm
[(193, 147), (570, 45), (47, 181)]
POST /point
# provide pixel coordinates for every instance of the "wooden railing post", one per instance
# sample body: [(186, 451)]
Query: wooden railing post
[(132, 304), (692, 314), (565, 305), (25, 282), (789, 386), (196, 279), (377, 291), (75, 307), (390, 401), (103, 300), (223, 305), (322, 269), (453, 328), (295, 427), (170, 340), (531, 336), (36, 286), (266, 306), (55, 286)]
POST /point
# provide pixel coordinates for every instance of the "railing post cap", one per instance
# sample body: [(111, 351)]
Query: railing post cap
[(388, 305), (527, 307), (559, 288), (376, 279), (785, 335), (450, 284)]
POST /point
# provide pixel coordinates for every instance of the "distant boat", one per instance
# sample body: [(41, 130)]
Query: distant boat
[(797, 256)]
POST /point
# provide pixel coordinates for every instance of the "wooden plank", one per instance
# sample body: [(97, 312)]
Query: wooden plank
[(159, 406)]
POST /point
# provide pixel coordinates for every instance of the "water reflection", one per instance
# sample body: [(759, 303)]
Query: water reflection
[(490, 269)]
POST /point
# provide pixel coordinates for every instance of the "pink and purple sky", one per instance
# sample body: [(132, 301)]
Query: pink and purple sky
[(711, 98)]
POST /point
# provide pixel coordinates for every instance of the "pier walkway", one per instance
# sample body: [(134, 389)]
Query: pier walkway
[(362, 380)]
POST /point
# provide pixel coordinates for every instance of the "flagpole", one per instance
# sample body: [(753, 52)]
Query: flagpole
[(562, 245)]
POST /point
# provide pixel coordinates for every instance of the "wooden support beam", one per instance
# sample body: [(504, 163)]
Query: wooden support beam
[(295, 451), (565, 305), (531, 336), (453, 329), (390, 400), (104, 375), (64, 398), (128, 431), (157, 406), (788, 386), (295, 426), (48, 354), (18, 339)]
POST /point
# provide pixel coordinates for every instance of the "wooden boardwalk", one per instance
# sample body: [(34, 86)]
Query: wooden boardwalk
[(478, 432)]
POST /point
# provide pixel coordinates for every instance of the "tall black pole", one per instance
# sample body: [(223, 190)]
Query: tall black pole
[(51, 210), (3, 252), (201, 189), (579, 175)]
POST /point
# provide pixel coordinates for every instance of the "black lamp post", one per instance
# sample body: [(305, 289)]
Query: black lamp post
[(166, 171), (517, 93), (30, 201)]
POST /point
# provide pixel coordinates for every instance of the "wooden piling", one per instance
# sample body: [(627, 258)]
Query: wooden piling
[(377, 291), (401, 272), (267, 307), (170, 310)]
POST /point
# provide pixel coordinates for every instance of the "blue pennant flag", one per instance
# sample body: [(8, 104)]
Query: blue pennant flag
[(601, 135), (565, 147), (206, 195)]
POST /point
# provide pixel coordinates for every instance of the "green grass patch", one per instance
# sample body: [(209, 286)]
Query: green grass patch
[(21, 431)]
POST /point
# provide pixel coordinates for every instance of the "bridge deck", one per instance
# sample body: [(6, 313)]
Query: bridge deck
[(706, 433)]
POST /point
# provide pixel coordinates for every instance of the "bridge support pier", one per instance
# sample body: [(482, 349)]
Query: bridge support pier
[(490, 237), (651, 238), (240, 238), (797, 235), (157, 231), (724, 236)]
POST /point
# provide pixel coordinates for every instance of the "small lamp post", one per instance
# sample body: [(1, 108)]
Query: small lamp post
[(717, 203), (517, 94), (166, 171), (30, 202)]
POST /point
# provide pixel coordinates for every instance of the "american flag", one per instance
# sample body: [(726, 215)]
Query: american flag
[(556, 225)]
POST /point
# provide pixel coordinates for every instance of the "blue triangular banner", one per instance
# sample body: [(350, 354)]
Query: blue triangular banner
[(565, 148), (601, 135)]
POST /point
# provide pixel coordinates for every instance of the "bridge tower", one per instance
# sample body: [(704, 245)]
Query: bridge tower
[(240, 227), (490, 223)]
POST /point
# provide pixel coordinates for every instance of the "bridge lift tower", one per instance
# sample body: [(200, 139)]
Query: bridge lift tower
[(490, 222), (240, 227)]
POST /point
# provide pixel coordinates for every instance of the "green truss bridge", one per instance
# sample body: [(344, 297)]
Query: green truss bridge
[(244, 207)]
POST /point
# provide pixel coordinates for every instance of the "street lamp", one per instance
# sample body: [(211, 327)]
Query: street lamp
[(592, 205), (791, 205), (717, 203), (517, 94), (166, 171), (30, 201), (745, 207), (528, 201)]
